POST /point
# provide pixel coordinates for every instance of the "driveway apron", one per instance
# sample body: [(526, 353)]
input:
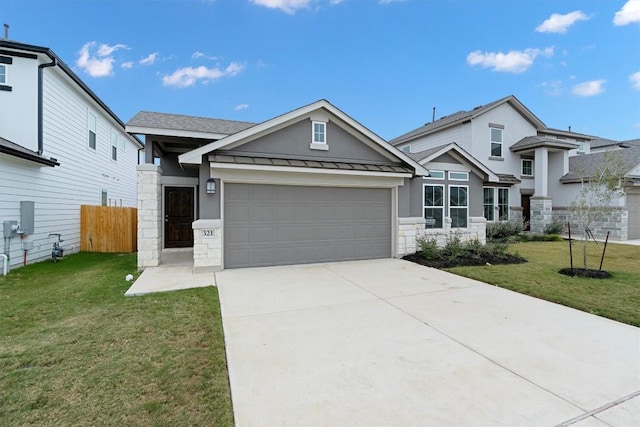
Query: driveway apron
[(389, 342)]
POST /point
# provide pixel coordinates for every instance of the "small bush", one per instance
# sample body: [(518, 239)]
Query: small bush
[(454, 248), (501, 231), (496, 248), (555, 227), (428, 247)]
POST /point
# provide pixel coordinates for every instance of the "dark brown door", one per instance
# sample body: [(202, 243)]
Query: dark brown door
[(178, 216), (526, 210)]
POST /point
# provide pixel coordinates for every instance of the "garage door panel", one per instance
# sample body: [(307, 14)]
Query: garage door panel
[(278, 225)]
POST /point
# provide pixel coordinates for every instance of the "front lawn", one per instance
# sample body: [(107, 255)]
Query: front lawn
[(75, 351), (617, 298)]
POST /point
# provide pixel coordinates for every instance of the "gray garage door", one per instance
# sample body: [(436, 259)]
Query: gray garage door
[(633, 207), (280, 224)]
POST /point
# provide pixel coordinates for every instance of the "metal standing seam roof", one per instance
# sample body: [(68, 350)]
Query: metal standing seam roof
[(149, 119), (315, 164)]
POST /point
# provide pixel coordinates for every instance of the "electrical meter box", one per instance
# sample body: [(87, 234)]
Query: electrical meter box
[(9, 228), (27, 218)]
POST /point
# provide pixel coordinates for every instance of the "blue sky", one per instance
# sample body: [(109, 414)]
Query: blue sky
[(386, 63)]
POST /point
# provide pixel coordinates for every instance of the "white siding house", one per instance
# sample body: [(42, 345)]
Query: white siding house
[(60, 147)]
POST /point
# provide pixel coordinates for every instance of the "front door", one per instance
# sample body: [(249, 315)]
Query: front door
[(178, 217), (526, 210)]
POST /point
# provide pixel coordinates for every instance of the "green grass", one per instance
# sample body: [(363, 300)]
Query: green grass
[(617, 298), (75, 351)]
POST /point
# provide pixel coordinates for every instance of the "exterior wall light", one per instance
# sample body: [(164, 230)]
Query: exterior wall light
[(211, 186)]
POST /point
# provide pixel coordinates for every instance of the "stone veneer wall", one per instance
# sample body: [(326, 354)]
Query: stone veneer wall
[(615, 221), (410, 229), (149, 216), (541, 214), (207, 245)]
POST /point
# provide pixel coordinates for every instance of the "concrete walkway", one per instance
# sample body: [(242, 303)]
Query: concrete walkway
[(389, 342)]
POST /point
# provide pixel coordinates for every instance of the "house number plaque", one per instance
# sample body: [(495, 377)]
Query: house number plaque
[(208, 233)]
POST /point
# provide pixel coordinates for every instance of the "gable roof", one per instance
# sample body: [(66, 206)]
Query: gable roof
[(586, 165), (463, 116), (152, 123), (279, 122), (424, 157), (8, 44)]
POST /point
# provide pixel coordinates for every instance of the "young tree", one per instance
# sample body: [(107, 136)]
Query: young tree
[(599, 190)]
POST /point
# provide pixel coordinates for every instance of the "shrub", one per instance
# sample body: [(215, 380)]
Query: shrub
[(496, 248), (428, 247), (501, 231), (555, 227), (454, 248)]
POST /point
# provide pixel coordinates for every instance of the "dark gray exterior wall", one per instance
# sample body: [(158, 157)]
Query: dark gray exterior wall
[(170, 167), (209, 204), (293, 142)]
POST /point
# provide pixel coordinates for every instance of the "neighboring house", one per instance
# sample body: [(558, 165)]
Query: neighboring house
[(60, 147), (533, 163), (623, 216), (311, 185)]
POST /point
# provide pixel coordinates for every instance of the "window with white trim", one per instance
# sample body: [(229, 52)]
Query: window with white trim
[(435, 175), (503, 204), (496, 141), (319, 133), (114, 146), (103, 198), (3, 74), (458, 176), (433, 202), (459, 205), (488, 203), (91, 126), (581, 147), (527, 167)]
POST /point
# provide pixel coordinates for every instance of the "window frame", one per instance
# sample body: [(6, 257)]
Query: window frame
[(323, 133), (459, 207), (492, 142), (104, 200), (4, 82), (493, 203), (435, 178), (114, 146), (503, 207), (522, 173), (449, 174), (440, 207), (91, 131)]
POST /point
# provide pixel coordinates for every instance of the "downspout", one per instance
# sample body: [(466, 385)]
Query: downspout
[(41, 68)]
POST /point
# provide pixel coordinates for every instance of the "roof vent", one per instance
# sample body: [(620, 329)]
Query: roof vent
[(6, 31)]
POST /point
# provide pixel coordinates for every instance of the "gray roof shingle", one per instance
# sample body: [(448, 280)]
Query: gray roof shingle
[(148, 119), (586, 165), (530, 142)]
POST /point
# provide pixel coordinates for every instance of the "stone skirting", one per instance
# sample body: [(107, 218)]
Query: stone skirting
[(149, 216), (541, 214), (615, 221), (411, 229), (207, 245)]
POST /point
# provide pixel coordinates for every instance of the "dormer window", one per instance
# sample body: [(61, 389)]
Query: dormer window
[(319, 133), (319, 136)]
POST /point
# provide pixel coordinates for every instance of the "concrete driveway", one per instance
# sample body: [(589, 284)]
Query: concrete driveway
[(389, 342)]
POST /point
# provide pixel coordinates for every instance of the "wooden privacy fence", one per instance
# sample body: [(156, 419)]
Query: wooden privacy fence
[(108, 229)]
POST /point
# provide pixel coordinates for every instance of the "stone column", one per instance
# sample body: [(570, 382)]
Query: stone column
[(149, 216), (541, 213), (478, 225), (409, 229), (207, 245)]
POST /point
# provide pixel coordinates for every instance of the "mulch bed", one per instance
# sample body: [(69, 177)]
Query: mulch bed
[(444, 261), (581, 272)]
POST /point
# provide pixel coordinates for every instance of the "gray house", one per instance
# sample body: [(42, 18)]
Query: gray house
[(311, 185)]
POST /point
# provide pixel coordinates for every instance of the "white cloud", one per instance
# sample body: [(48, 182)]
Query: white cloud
[(635, 80), (100, 64), (560, 23), (287, 6), (188, 76), (389, 1), (629, 13), (241, 107), (198, 55), (127, 65), (514, 61), (149, 59), (553, 87), (590, 88)]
